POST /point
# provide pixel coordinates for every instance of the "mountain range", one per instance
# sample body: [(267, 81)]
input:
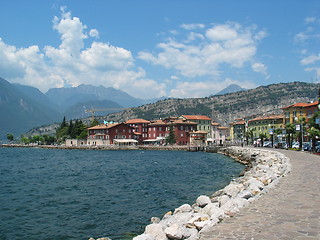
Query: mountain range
[(24, 107), (226, 108)]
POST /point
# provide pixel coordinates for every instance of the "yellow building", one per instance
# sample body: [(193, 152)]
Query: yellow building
[(237, 131), (295, 112), (265, 125)]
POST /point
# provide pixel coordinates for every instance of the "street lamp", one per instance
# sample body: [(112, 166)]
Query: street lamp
[(299, 127)]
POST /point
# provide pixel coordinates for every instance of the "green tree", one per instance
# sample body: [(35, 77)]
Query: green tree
[(63, 123), (312, 122), (95, 122), (313, 133), (290, 131), (70, 128), (48, 140), (262, 136), (83, 134), (171, 139), (62, 131), (249, 136), (25, 140), (10, 137)]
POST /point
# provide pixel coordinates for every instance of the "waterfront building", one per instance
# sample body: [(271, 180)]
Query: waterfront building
[(295, 112), (159, 130), (219, 134), (203, 122), (106, 134), (198, 138), (265, 125), (237, 131), (140, 129)]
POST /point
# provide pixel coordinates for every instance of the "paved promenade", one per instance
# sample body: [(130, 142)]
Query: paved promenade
[(289, 211)]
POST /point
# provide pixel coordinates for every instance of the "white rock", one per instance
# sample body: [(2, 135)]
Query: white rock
[(213, 211), (223, 199), (200, 224), (245, 194), (183, 208), (254, 185), (156, 231), (203, 200), (194, 234), (199, 217), (208, 227), (233, 189), (177, 232), (144, 237), (155, 220), (233, 205), (178, 218)]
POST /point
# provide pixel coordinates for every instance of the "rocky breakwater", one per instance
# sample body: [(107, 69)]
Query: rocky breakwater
[(265, 168)]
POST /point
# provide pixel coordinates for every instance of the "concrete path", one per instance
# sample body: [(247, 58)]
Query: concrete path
[(290, 211)]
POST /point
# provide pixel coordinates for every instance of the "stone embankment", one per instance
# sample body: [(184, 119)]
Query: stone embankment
[(265, 169), (106, 147)]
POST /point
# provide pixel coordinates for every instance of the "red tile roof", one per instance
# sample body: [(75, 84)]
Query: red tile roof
[(138, 120), (279, 116), (104, 126), (196, 117), (223, 128), (242, 122), (302, 105)]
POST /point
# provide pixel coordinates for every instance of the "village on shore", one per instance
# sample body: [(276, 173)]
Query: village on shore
[(295, 126)]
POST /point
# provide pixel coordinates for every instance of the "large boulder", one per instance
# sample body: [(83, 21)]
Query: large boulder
[(156, 231), (183, 208), (213, 211), (233, 189), (203, 200), (177, 232), (144, 237)]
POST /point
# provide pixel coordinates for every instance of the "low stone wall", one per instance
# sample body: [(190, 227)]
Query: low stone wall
[(265, 169), (101, 147)]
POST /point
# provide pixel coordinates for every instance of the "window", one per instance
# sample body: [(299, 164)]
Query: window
[(124, 136)]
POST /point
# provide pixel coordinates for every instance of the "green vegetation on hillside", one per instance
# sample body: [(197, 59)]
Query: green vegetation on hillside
[(76, 129)]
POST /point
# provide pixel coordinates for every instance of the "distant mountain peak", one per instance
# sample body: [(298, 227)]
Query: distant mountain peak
[(231, 89)]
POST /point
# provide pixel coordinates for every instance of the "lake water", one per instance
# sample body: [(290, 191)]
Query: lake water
[(77, 194)]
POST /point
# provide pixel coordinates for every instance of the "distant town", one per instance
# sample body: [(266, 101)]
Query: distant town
[(293, 127), (297, 127)]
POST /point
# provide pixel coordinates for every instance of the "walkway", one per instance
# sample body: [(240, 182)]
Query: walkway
[(290, 211)]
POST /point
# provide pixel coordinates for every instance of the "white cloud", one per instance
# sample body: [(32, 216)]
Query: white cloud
[(310, 19), (206, 88), (310, 59), (259, 68), (225, 44), (192, 26), (94, 33), (222, 32), (73, 64)]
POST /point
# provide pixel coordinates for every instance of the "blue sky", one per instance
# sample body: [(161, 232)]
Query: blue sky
[(149, 48)]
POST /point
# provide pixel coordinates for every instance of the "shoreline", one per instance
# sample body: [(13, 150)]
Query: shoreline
[(108, 147), (264, 170)]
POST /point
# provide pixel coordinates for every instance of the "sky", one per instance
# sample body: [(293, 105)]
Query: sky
[(151, 48)]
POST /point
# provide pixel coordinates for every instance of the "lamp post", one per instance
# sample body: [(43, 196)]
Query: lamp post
[(299, 127)]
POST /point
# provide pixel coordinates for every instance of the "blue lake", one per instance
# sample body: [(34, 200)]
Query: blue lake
[(77, 194)]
